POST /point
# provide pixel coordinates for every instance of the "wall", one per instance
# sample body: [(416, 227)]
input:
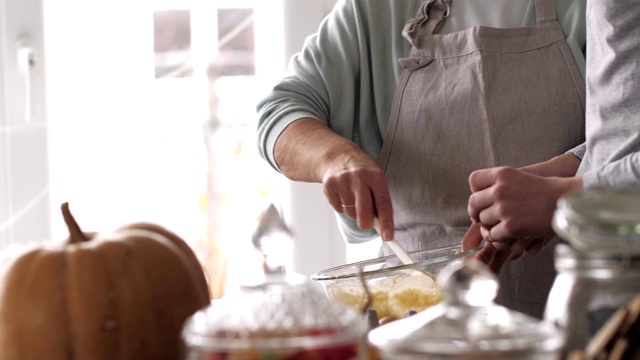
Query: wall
[(318, 245), (24, 181)]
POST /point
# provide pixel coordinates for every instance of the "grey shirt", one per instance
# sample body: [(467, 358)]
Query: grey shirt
[(613, 95)]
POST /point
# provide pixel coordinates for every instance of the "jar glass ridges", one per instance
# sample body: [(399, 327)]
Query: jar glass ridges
[(277, 319)]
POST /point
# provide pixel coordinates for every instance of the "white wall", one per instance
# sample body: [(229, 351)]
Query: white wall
[(24, 182), (319, 244)]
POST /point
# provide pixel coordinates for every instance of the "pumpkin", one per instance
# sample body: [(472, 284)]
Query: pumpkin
[(122, 295)]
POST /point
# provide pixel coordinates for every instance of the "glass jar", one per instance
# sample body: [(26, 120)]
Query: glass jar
[(467, 324), (282, 318), (599, 266), (278, 316)]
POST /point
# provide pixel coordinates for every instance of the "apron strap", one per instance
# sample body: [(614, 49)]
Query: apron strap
[(428, 20), (545, 11)]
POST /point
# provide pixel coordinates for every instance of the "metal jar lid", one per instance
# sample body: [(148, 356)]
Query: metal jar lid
[(600, 220)]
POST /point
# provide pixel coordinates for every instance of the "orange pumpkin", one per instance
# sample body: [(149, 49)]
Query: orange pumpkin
[(117, 296)]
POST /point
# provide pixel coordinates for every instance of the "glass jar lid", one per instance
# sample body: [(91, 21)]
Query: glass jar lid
[(600, 220), (467, 324)]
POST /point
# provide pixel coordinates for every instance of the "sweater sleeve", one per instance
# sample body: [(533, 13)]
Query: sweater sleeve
[(319, 84), (345, 76), (623, 173), (613, 95)]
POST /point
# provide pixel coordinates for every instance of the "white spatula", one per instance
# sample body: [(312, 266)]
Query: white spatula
[(395, 246)]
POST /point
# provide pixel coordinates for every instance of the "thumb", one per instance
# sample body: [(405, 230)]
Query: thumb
[(472, 238)]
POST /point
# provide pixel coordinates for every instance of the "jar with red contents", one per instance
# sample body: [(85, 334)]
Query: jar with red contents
[(281, 316)]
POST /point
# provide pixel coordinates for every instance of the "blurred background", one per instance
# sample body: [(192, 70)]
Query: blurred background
[(144, 110)]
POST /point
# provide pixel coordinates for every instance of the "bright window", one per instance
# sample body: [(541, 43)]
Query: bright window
[(152, 118)]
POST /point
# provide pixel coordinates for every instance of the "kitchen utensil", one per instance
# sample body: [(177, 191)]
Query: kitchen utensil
[(400, 252), (394, 245), (618, 337)]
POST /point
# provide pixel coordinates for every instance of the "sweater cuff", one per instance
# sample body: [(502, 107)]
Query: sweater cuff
[(579, 150), (277, 129), (351, 233)]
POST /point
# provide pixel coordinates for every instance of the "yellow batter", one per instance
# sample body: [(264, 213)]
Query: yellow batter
[(392, 296)]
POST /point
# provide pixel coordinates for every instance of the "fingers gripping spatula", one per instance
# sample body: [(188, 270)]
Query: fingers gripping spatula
[(395, 246)]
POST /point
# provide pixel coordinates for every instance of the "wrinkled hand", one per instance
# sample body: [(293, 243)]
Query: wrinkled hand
[(356, 185), (308, 150)]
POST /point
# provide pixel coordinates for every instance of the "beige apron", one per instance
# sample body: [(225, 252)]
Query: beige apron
[(473, 99)]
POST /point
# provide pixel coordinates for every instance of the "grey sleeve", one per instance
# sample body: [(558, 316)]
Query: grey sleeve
[(351, 233), (579, 150), (623, 173), (613, 94)]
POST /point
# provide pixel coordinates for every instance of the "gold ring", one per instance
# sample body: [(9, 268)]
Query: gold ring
[(347, 206)]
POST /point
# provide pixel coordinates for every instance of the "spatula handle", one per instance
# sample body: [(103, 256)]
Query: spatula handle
[(393, 244)]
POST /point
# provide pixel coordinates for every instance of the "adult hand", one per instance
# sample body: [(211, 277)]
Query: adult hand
[(512, 208), (512, 204), (489, 254), (353, 183), (521, 200), (497, 253)]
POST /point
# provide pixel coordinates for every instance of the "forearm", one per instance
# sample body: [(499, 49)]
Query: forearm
[(565, 185), (565, 165), (353, 183), (307, 147)]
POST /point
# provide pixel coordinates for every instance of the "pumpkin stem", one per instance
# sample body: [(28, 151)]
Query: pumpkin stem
[(75, 233)]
